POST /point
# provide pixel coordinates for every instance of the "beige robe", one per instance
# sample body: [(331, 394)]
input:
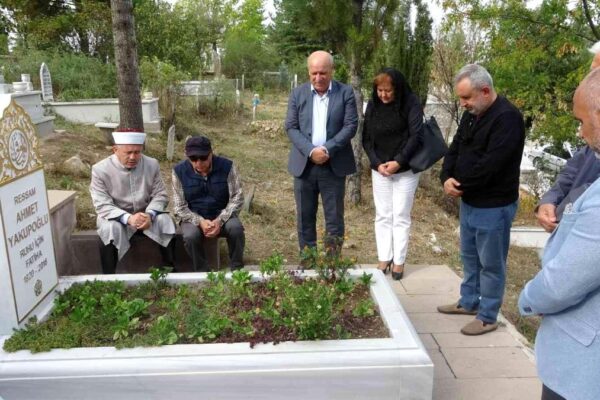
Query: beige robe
[(117, 190)]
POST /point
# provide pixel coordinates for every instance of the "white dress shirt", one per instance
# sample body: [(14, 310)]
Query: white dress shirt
[(319, 121)]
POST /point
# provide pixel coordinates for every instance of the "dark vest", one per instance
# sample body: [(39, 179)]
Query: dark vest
[(206, 196)]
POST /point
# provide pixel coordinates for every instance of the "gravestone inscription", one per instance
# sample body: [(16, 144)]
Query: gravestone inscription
[(27, 261)]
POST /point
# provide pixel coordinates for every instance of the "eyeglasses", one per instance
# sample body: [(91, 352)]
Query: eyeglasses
[(198, 158)]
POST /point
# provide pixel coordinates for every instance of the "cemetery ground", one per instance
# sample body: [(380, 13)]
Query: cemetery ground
[(260, 150)]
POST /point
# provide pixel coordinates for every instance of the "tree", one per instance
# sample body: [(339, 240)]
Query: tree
[(130, 103), (70, 25), (208, 20), (457, 43), (537, 57), (410, 48), (245, 50)]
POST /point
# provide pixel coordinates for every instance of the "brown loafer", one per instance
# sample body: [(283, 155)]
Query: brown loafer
[(455, 308), (478, 327)]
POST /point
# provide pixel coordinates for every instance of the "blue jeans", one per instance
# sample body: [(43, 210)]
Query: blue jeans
[(484, 241)]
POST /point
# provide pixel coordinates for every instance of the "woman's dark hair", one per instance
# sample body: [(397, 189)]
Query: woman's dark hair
[(401, 87)]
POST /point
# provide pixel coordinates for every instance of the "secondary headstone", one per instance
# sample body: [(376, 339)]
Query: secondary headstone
[(46, 83), (171, 143), (27, 261)]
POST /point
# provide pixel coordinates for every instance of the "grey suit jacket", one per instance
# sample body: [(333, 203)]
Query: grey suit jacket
[(342, 121), (567, 293)]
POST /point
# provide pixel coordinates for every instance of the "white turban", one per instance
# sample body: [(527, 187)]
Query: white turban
[(129, 137)]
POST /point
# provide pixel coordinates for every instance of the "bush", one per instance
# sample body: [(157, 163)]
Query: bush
[(74, 76), (163, 80)]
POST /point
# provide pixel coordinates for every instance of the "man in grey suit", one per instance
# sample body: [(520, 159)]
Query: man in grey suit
[(566, 292), (321, 120)]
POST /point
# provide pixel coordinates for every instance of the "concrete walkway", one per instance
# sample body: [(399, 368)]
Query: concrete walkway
[(494, 366)]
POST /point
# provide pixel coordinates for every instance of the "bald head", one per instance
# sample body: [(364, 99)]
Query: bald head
[(320, 70), (586, 108), (595, 50), (320, 57)]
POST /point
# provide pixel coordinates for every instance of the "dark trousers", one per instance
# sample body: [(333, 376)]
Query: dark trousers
[(109, 255), (315, 180), (232, 230), (549, 394)]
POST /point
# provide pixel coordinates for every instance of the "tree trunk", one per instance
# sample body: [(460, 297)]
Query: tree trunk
[(126, 60), (353, 190), (216, 61)]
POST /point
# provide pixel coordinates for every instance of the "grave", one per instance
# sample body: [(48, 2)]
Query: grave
[(396, 367), (92, 111), (31, 101), (27, 261)]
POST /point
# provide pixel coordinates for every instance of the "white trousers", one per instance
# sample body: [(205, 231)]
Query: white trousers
[(393, 197)]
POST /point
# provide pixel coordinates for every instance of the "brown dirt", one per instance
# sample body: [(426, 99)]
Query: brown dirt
[(261, 157)]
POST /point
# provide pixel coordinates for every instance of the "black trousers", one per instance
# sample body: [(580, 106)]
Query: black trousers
[(319, 180), (549, 394), (232, 230), (109, 255)]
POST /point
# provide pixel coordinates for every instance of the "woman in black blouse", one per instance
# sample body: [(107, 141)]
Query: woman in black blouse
[(392, 134)]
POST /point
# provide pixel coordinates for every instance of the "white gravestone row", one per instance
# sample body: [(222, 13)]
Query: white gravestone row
[(27, 261), (46, 83)]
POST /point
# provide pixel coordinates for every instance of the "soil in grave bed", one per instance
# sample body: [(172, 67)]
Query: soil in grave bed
[(284, 307)]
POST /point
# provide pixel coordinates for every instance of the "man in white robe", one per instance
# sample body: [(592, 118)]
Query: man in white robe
[(130, 198)]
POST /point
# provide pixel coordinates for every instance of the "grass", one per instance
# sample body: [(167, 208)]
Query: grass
[(261, 157)]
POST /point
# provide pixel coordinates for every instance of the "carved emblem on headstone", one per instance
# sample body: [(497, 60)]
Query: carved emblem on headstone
[(37, 288), (18, 149), (18, 144)]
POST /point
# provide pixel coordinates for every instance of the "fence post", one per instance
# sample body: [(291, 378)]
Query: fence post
[(243, 81)]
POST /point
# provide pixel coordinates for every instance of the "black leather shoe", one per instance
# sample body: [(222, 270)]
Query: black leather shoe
[(397, 275)]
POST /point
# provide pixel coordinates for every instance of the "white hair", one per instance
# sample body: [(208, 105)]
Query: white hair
[(478, 76), (595, 49)]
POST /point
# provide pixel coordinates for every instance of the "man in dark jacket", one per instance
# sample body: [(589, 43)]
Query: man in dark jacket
[(320, 123), (482, 168), (207, 196)]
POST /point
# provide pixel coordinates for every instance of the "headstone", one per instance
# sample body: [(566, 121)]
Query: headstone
[(46, 83), (27, 262), (171, 143), (247, 207)]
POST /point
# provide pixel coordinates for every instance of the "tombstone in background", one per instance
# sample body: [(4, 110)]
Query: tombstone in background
[(46, 83), (27, 262), (171, 143)]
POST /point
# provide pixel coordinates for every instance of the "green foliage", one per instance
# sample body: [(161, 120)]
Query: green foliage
[(272, 265), (82, 26), (282, 307), (537, 57), (159, 275), (365, 308), (74, 76), (326, 260), (366, 279)]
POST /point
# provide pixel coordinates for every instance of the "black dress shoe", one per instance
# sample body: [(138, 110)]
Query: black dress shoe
[(397, 275)]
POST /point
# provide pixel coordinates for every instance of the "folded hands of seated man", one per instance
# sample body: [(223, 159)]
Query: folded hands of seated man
[(140, 221)]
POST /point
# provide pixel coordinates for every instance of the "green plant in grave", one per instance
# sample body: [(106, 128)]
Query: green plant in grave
[(271, 265), (312, 309), (164, 330), (326, 259), (366, 279), (159, 275), (127, 315), (365, 308)]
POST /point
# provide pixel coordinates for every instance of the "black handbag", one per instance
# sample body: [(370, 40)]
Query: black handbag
[(434, 147)]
